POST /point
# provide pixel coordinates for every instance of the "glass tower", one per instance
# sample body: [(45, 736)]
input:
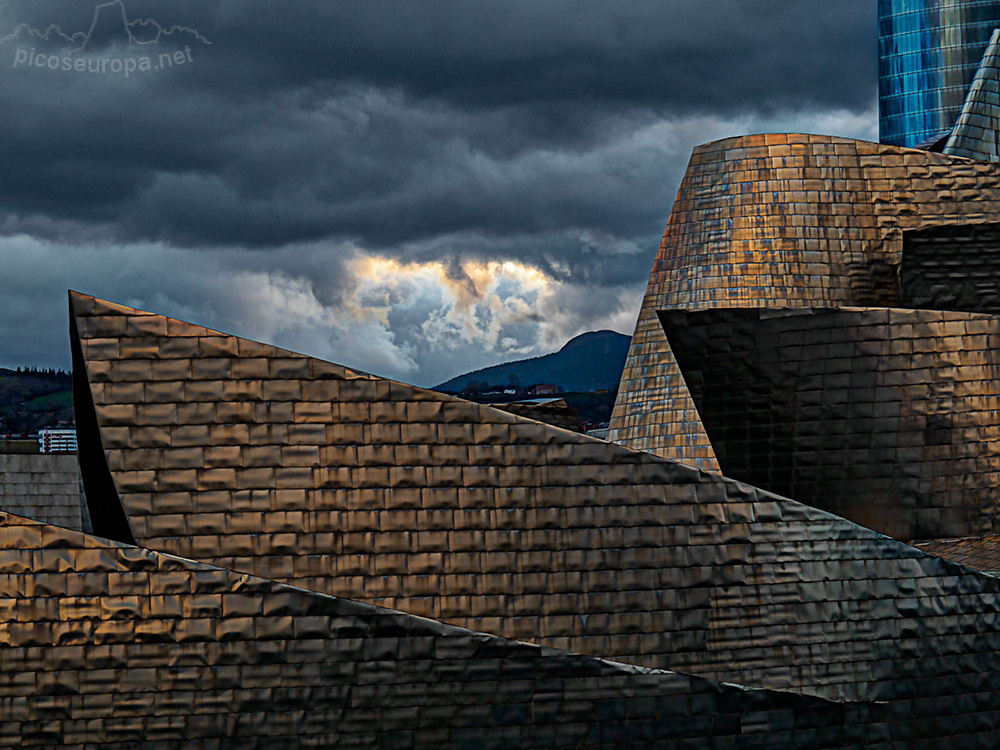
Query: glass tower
[(928, 52)]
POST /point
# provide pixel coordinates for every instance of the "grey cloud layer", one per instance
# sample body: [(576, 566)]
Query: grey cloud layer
[(389, 122), (551, 133)]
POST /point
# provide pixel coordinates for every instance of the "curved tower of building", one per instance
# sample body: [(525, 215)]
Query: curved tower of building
[(929, 51)]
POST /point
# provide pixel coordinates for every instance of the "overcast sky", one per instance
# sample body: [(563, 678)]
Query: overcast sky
[(415, 188)]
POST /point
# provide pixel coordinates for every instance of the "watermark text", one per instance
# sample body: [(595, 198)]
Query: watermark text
[(102, 65)]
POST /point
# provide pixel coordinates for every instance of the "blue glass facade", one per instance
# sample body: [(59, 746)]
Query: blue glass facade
[(928, 54)]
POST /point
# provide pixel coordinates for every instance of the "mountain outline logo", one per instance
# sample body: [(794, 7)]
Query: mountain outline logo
[(140, 31)]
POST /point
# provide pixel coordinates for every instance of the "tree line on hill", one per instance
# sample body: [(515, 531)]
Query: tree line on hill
[(32, 398)]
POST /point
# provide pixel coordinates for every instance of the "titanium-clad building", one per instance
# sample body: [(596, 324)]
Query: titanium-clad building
[(801, 516), (929, 51)]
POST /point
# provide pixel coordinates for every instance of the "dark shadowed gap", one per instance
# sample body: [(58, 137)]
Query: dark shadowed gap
[(107, 515), (952, 267)]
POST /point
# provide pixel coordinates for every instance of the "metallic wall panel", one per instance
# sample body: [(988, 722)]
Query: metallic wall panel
[(928, 51), (110, 646), (888, 417), (286, 467), (952, 268), (981, 552), (783, 221), (44, 486), (976, 134)]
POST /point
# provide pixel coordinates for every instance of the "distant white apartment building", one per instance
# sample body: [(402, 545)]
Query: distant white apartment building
[(57, 440)]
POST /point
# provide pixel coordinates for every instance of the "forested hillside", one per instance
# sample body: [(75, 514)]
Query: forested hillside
[(33, 398)]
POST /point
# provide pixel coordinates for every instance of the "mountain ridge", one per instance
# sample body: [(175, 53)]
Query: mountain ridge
[(589, 362)]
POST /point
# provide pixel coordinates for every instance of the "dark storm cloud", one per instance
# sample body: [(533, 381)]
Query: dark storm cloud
[(679, 53), (717, 54), (309, 136), (389, 122)]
